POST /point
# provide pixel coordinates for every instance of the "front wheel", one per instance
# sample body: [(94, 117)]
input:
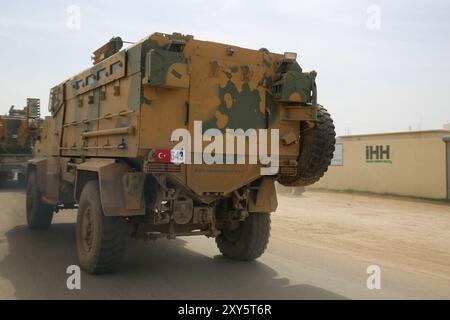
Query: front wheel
[(248, 241), (100, 240), (39, 214)]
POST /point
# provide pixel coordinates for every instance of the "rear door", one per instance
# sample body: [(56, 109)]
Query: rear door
[(225, 93)]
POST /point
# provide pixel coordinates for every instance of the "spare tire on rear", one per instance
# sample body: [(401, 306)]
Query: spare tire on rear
[(317, 142)]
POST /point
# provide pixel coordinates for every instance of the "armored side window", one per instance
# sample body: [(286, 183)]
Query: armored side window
[(116, 67), (166, 69), (90, 80), (79, 84), (101, 74), (56, 99)]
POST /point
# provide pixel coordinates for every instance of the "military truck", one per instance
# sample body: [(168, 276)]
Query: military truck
[(17, 132), (108, 148)]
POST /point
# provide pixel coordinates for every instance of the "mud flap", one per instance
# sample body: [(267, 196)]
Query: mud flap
[(40, 167), (266, 197), (121, 189)]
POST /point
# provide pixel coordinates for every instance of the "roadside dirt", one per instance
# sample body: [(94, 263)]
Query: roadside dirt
[(403, 233), (320, 248)]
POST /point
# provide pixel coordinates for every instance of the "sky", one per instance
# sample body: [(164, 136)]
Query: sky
[(382, 66)]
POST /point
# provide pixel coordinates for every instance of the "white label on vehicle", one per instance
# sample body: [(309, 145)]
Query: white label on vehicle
[(177, 156)]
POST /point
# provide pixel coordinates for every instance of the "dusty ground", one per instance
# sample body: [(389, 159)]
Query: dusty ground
[(320, 248)]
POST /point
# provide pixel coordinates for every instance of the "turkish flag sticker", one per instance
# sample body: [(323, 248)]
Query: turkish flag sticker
[(162, 155)]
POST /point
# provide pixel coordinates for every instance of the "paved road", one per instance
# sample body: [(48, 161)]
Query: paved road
[(320, 248)]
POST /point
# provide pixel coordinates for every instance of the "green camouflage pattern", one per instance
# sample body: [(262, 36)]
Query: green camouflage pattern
[(130, 101)]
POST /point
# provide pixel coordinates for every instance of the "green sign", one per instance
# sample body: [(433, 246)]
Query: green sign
[(378, 154)]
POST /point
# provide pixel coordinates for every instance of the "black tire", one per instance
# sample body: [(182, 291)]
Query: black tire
[(249, 241), (316, 150), (39, 214), (100, 240)]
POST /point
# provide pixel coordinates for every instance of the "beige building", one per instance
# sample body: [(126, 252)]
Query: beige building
[(415, 163)]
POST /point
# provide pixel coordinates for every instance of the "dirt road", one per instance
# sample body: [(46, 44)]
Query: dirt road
[(321, 246)]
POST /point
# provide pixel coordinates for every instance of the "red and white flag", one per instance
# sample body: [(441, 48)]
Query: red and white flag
[(162, 155)]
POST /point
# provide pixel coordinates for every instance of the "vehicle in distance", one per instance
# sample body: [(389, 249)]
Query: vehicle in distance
[(18, 130)]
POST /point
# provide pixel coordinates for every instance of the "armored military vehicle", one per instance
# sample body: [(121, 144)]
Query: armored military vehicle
[(111, 147), (17, 131)]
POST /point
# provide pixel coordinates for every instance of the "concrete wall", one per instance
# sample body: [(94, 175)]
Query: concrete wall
[(447, 140), (414, 166)]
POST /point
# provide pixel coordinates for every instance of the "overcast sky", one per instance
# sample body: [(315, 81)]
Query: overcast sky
[(382, 65)]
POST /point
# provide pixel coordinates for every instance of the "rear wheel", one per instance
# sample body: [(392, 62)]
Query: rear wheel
[(39, 214), (100, 240), (248, 241)]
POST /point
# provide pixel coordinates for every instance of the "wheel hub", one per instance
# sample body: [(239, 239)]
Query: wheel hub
[(232, 235)]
